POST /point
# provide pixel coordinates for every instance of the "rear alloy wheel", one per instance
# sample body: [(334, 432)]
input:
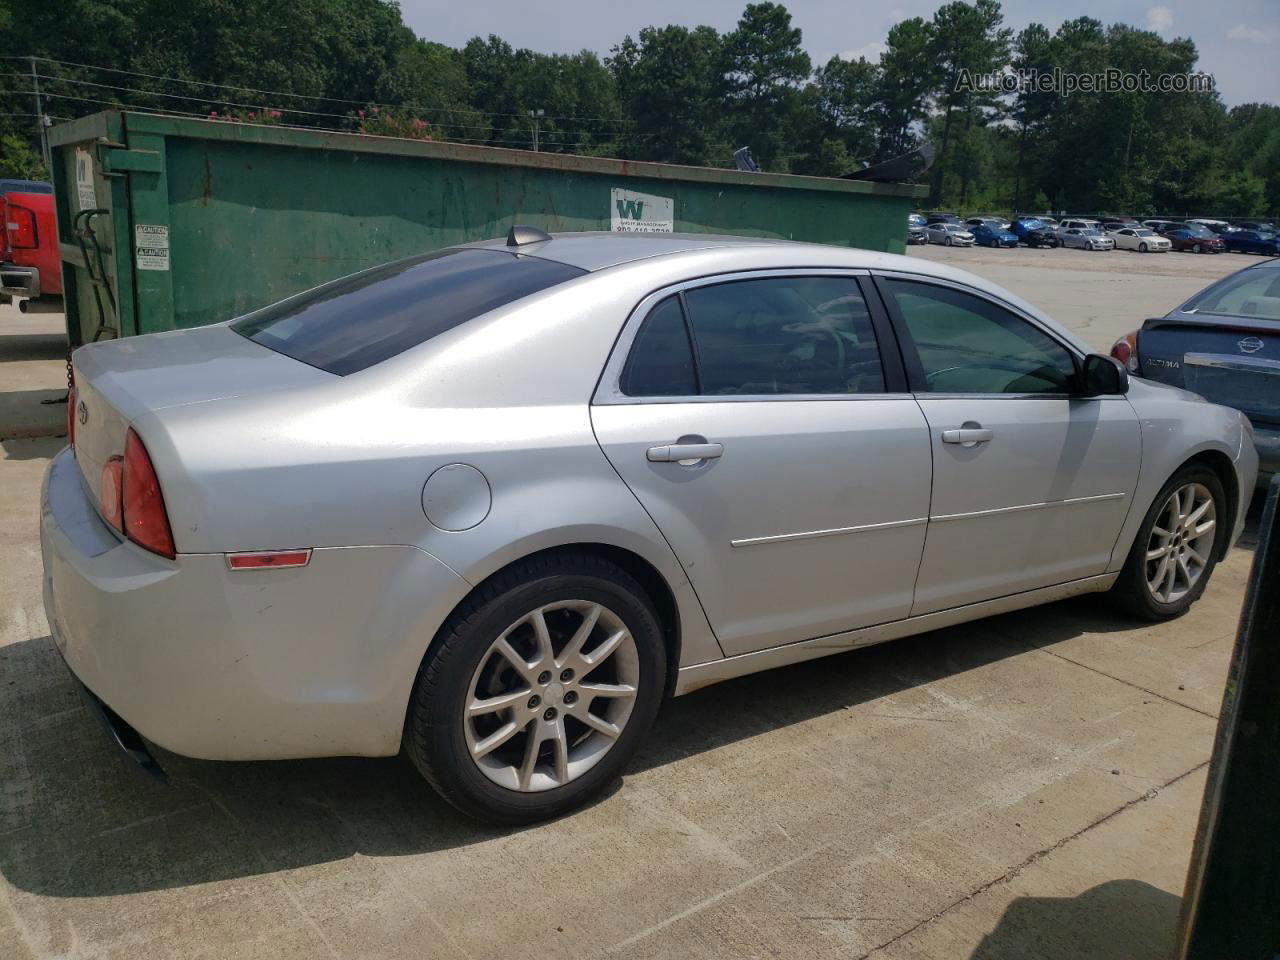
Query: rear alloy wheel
[(538, 689), (1176, 548)]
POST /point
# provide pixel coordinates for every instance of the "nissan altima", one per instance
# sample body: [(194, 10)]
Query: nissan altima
[(492, 504)]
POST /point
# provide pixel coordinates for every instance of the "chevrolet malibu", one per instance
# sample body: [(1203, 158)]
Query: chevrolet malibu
[(491, 505)]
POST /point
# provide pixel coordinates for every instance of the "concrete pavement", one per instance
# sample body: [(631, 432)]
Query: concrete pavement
[(33, 369), (1025, 786)]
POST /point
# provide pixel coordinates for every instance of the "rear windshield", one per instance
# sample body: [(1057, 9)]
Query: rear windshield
[(357, 321), (1249, 293)]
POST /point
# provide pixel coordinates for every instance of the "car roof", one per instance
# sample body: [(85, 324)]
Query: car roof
[(598, 249)]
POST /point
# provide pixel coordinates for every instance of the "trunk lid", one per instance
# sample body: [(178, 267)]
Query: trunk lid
[(118, 381), (1233, 361)]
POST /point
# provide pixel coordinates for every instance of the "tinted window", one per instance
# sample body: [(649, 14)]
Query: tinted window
[(355, 322), (661, 360), (969, 345), (1249, 293), (784, 335)]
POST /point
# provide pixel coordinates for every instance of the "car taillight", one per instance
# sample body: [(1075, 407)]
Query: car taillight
[(144, 517), (111, 492), (1126, 351), (71, 415), (21, 224)]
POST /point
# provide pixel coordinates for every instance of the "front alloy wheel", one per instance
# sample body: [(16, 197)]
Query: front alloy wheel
[(1182, 535), (551, 696), (1181, 543)]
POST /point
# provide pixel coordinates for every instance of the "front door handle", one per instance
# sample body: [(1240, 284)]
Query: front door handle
[(671, 452), (970, 435)]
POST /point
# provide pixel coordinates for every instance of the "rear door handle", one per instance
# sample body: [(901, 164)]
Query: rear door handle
[(671, 452), (967, 436)]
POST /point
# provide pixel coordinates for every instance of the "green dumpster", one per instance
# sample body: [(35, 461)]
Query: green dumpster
[(169, 222)]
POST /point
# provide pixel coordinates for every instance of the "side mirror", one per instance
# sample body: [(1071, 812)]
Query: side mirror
[(1100, 376)]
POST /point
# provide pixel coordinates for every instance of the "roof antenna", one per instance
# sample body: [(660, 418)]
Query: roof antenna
[(520, 235)]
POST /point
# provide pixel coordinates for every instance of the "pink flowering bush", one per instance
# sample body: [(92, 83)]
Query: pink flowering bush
[(393, 122), (263, 115)]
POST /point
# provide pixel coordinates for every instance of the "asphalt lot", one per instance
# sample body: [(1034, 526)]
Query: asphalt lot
[(1025, 786)]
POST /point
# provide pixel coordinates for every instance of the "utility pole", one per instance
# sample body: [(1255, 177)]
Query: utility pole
[(535, 115), (40, 118)]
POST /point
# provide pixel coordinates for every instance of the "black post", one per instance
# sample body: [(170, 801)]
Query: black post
[(1231, 905)]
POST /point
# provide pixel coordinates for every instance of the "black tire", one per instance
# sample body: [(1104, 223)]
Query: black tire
[(1196, 248), (1142, 248), (1131, 592), (434, 737)]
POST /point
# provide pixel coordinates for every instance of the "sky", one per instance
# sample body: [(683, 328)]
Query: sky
[(1238, 40)]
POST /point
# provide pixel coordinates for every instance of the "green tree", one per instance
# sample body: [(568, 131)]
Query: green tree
[(765, 66), (670, 86), (904, 85)]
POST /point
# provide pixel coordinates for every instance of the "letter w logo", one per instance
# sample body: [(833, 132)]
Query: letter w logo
[(631, 209)]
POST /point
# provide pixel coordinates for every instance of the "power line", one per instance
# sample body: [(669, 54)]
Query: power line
[(305, 96)]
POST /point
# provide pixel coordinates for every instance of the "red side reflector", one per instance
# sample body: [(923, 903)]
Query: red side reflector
[(269, 559)]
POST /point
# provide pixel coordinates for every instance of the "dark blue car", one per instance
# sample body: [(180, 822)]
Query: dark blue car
[(989, 235), (1034, 232), (1224, 344), (1252, 241)]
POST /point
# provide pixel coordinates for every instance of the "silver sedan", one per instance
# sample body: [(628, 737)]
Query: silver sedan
[(950, 234), (495, 503)]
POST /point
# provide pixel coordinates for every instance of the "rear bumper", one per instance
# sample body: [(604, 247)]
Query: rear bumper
[(1267, 442), (16, 281), (222, 665)]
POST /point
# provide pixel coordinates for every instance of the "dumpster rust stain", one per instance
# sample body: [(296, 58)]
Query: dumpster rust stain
[(206, 185)]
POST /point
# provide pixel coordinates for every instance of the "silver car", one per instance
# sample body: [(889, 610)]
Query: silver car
[(495, 503), (950, 234), (1088, 238)]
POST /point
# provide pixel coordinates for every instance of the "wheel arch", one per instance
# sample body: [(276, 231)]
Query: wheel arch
[(649, 577)]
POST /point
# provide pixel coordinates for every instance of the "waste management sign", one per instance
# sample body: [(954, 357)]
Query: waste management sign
[(631, 212)]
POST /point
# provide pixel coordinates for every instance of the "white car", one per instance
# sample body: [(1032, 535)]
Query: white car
[(950, 234), (1142, 239)]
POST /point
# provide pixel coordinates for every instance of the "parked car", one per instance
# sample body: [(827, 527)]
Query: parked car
[(1077, 224), (1163, 226), (497, 534), (30, 267), (1261, 226), (1087, 239), (990, 235), (1196, 238), (1219, 227), (916, 232), (1034, 232), (998, 222), (1142, 239), (936, 217), (1224, 344), (950, 234), (1252, 241)]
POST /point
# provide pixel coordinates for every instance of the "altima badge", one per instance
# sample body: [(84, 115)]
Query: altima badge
[(1250, 345)]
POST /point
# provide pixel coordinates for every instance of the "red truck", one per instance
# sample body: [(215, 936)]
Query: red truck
[(29, 266)]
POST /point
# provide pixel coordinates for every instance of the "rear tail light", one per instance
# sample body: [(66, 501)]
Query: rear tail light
[(111, 492), (1126, 351), (142, 505), (71, 414), (21, 224)]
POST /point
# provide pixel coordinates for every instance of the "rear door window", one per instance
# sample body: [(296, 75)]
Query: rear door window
[(353, 323), (1249, 293), (784, 335)]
